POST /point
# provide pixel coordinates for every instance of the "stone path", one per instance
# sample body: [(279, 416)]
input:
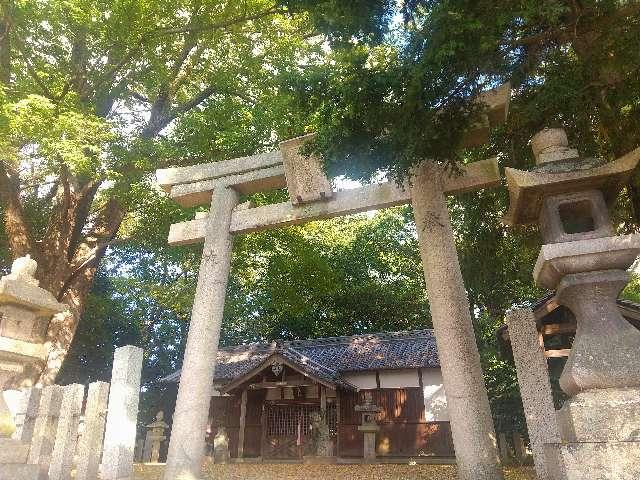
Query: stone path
[(331, 472)]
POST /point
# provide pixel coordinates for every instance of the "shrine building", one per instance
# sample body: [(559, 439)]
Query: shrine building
[(264, 395)]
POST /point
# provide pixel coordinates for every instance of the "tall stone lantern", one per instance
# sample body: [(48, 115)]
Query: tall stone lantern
[(369, 426), (154, 438), (25, 312), (586, 264)]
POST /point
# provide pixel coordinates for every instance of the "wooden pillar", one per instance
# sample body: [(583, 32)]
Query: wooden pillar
[(243, 422), (323, 399), (338, 420)]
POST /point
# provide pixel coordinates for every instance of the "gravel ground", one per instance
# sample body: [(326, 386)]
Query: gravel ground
[(331, 472)]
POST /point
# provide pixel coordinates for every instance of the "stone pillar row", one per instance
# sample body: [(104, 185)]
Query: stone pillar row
[(49, 439)]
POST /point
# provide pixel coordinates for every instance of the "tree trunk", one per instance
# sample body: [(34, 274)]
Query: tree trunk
[(5, 42), (62, 327), (67, 259), (69, 272)]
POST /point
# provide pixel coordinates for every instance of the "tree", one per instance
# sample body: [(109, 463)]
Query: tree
[(87, 89), (402, 92)]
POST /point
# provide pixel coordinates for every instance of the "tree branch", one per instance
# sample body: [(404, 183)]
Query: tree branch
[(111, 73), (92, 258), (5, 41), (80, 214), (33, 74), (224, 24), (18, 231), (566, 32)]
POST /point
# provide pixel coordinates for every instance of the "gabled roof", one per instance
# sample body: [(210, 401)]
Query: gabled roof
[(327, 358)]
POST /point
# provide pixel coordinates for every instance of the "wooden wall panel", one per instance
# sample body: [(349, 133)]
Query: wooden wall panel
[(252, 441), (226, 411), (415, 439), (350, 441), (348, 401), (403, 429)]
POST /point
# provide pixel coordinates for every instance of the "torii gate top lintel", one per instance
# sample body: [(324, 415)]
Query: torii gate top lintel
[(311, 196)]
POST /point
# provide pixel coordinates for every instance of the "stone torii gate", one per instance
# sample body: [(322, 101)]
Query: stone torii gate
[(221, 183)]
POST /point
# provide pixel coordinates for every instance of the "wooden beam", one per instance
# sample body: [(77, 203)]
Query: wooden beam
[(556, 329), (169, 177), (237, 382), (483, 174), (323, 399), (545, 309), (243, 422), (557, 353), (288, 383)]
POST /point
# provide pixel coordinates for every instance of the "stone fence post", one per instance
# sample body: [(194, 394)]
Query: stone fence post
[(45, 427), (122, 414), (90, 445), (535, 388), (64, 447), (26, 414)]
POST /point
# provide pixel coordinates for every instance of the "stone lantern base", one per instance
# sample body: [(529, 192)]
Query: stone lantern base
[(600, 436), (603, 415), (593, 460), (369, 449)]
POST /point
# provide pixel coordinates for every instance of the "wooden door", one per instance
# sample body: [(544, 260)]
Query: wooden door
[(286, 430)]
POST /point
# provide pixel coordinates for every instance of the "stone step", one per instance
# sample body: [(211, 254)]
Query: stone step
[(19, 472), (13, 451)]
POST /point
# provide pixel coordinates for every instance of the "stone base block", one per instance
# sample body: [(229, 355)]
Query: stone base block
[(312, 459), (611, 414), (593, 461), (13, 451), (19, 472)]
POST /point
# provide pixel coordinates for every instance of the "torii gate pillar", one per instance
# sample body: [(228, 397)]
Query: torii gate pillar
[(467, 403), (186, 448)]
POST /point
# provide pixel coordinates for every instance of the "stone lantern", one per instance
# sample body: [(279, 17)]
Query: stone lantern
[(586, 264), (25, 312), (369, 425), (155, 437)]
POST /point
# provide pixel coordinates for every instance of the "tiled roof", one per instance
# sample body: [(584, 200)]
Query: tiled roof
[(329, 357)]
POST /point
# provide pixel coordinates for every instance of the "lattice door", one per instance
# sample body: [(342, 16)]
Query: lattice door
[(288, 429)]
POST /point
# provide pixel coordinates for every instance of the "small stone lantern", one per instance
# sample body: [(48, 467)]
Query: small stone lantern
[(369, 425), (25, 312), (221, 445), (586, 264), (155, 437)]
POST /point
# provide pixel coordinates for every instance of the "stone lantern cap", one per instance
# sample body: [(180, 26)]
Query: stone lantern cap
[(158, 422), (560, 170), (21, 289), (368, 405)]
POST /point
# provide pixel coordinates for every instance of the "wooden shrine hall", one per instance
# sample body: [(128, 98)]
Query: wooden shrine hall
[(556, 326), (264, 395)]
